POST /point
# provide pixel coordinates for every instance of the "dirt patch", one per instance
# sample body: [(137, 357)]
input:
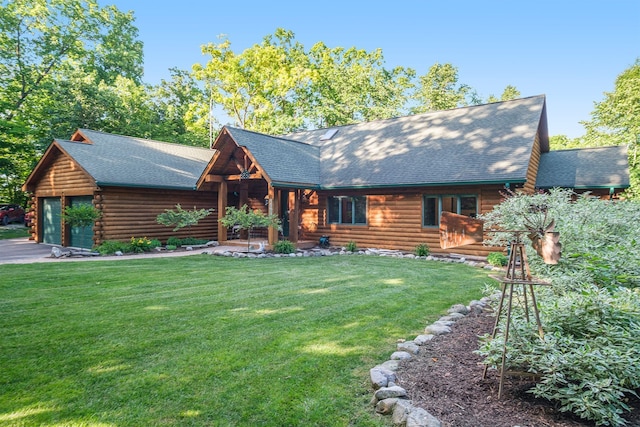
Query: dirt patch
[(446, 380)]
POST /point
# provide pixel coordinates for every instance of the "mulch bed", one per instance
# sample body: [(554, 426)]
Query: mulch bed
[(446, 380)]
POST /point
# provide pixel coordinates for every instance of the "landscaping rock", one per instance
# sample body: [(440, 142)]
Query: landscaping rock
[(381, 377), (409, 346), (401, 411), (385, 407), (390, 392), (56, 252), (391, 365), (452, 317), (418, 417), (435, 329), (400, 355), (458, 308), (423, 339)]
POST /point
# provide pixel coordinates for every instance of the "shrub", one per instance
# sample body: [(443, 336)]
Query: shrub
[(155, 243), (139, 245), (284, 247), (171, 247), (497, 259), (351, 246), (109, 247), (174, 241), (422, 250), (193, 241)]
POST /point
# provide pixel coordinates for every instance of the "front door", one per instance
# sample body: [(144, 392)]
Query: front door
[(51, 221), (284, 212)]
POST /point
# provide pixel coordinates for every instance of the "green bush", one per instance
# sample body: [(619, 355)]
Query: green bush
[(589, 359), (171, 247), (284, 247), (351, 246), (155, 243), (422, 250), (109, 247), (193, 241), (174, 241), (139, 245), (497, 259)]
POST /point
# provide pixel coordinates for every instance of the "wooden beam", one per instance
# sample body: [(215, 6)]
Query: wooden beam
[(257, 175), (274, 208), (222, 207), (213, 178), (294, 209)]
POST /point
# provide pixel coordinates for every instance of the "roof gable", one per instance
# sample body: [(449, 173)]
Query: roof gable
[(115, 160), (584, 168)]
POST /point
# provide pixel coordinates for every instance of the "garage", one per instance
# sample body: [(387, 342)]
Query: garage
[(51, 220)]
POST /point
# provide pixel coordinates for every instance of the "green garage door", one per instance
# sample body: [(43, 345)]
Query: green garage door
[(81, 237), (51, 221)]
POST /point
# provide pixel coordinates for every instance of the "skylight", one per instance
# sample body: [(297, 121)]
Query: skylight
[(328, 134)]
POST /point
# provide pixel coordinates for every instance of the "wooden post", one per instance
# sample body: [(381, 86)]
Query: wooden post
[(273, 210), (294, 209), (222, 206)]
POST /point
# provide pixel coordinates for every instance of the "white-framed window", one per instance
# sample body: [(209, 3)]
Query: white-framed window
[(434, 205), (347, 210)]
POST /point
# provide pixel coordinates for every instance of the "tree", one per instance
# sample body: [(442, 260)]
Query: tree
[(81, 216), (247, 219), (352, 85), (180, 218), (509, 93), (259, 88), (439, 90), (43, 45), (616, 121)]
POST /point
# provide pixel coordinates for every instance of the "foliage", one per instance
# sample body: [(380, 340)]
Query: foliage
[(192, 241), (174, 241), (590, 356), (351, 246), (161, 322), (439, 89), (13, 233), (497, 259), (110, 247), (616, 121), (139, 245), (248, 219), (509, 93), (82, 216), (422, 249), (180, 218), (284, 247), (171, 247)]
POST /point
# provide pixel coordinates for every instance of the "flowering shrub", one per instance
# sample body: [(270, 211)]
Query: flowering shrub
[(140, 244), (589, 358)]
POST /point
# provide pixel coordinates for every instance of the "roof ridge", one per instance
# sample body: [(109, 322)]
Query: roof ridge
[(280, 137), (136, 138)]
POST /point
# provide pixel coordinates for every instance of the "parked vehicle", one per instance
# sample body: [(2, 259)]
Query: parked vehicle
[(11, 213)]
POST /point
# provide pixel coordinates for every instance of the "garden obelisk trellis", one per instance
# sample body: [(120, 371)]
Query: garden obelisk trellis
[(458, 230)]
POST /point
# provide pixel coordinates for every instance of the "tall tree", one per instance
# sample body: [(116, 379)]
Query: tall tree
[(616, 120), (352, 85), (439, 90), (44, 44), (259, 88), (510, 92)]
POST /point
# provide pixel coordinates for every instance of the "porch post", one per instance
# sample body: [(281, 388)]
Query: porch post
[(273, 210), (222, 206), (294, 209)]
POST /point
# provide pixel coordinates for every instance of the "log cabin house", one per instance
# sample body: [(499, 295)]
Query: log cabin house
[(380, 184)]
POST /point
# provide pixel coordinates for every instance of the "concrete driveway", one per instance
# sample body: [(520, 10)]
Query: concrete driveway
[(22, 250)]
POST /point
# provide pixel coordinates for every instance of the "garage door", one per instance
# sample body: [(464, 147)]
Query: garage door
[(51, 216), (81, 237)]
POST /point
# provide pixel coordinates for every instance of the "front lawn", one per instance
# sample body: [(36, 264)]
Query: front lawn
[(213, 341)]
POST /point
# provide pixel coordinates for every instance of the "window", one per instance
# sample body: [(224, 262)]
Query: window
[(433, 206), (347, 210)]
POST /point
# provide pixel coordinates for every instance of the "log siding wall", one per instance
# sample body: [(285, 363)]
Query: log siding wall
[(394, 221), (132, 212)]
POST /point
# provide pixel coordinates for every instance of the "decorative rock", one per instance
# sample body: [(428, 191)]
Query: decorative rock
[(390, 392), (390, 365), (400, 355), (189, 248), (423, 339), (452, 317), (118, 253), (418, 417), (436, 329), (401, 411), (213, 243), (381, 377), (458, 308), (409, 346), (444, 322), (385, 407), (56, 252)]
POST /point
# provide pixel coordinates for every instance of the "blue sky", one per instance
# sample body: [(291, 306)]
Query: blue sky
[(571, 51)]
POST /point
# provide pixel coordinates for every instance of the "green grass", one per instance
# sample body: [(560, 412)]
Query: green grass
[(11, 232), (211, 341)]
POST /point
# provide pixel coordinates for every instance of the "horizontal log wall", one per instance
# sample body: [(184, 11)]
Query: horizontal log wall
[(534, 163), (394, 221), (64, 176), (128, 213)]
